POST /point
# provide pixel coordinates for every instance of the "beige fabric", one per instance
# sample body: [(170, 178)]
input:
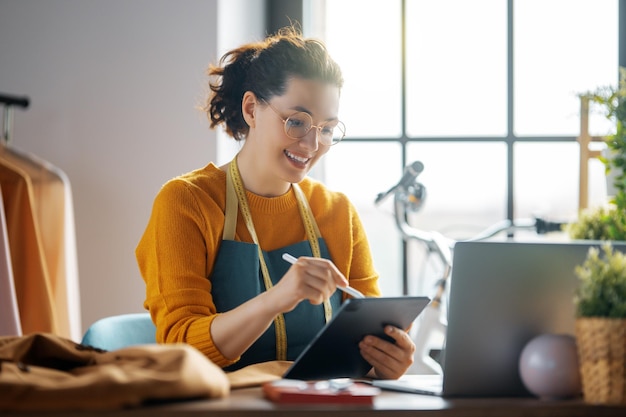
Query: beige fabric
[(257, 374), (35, 297), (46, 372)]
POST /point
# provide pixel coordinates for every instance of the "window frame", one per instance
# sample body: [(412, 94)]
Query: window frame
[(277, 18)]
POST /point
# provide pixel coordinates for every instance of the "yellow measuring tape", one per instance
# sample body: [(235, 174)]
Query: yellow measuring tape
[(234, 187), (312, 234)]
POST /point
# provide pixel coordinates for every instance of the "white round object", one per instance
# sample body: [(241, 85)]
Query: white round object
[(549, 366)]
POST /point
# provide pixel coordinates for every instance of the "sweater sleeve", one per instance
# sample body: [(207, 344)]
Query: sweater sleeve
[(362, 274), (175, 256)]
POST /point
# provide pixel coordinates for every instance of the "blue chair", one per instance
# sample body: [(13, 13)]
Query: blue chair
[(116, 332)]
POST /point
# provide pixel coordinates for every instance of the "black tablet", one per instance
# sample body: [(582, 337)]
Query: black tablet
[(334, 352)]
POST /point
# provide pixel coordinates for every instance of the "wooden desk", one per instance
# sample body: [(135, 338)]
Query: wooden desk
[(250, 403)]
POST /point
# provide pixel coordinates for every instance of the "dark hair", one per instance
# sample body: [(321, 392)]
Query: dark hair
[(264, 69)]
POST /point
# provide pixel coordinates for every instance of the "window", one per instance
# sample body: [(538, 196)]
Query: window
[(484, 93)]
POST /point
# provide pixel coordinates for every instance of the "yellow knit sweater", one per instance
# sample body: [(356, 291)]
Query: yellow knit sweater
[(177, 252)]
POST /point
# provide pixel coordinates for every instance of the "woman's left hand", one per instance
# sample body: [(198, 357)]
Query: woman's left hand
[(390, 360)]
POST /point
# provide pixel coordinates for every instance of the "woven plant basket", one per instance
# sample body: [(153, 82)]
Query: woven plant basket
[(602, 357)]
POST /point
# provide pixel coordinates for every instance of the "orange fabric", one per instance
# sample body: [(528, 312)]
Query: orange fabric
[(48, 211), (178, 249), (34, 196), (9, 313), (32, 282)]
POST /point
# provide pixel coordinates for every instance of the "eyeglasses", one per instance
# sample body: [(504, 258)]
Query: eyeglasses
[(299, 124)]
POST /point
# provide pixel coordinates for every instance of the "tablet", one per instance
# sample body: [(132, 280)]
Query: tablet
[(334, 351)]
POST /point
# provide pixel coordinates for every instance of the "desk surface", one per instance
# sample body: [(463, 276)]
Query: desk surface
[(250, 403)]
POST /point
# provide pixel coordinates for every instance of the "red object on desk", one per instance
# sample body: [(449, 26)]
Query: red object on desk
[(321, 392)]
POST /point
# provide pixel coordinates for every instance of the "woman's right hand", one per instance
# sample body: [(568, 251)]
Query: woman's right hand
[(313, 279)]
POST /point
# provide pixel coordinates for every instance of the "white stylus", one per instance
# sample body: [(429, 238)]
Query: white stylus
[(348, 290)]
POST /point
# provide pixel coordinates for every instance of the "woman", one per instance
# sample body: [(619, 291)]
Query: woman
[(212, 228)]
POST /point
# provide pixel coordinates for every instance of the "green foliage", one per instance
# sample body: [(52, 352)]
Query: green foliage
[(613, 101), (602, 290), (609, 223), (600, 223)]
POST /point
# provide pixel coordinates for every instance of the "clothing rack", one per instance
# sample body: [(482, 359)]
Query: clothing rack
[(9, 102)]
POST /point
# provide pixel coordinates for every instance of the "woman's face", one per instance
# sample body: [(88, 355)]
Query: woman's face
[(284, 159)]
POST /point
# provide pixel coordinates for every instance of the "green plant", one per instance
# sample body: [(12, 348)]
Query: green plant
[(608, 223), (599, 223), (602, 289), (613, 101)]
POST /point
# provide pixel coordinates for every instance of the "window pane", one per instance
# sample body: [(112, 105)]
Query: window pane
[(456, 67), (456, 85), (547, 178), (361, 178), (466, 186), (363, 36), (562, 48)]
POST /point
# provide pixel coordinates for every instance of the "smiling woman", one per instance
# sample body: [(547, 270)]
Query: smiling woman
[(211, 255), (274, 139)]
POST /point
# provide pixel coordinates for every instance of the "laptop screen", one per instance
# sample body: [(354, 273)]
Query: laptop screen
[(502, 294)]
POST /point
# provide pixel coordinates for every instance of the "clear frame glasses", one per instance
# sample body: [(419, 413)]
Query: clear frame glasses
[(299, 124)]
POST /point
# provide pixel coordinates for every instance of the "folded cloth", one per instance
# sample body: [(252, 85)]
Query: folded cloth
[(42, 371), (257, 374)]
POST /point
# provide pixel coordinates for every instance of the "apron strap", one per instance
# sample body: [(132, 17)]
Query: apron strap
[(232, 208), (305, 211), (235, 196)]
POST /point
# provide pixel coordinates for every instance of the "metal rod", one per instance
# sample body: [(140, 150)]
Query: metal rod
[(7, 125)]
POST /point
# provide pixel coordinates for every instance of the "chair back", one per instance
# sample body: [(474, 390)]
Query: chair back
[(116, 332)]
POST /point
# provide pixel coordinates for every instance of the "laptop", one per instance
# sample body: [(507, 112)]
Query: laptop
[(502, 294)]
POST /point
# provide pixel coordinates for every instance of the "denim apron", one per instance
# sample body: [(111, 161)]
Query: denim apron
[(243, 270)]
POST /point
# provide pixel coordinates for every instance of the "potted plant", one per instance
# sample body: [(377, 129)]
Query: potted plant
[(600, 223), (601, 325), (613, 101), (608, 222)]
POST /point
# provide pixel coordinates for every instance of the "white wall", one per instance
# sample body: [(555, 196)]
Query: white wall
[(113, 87), (248, 16)]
